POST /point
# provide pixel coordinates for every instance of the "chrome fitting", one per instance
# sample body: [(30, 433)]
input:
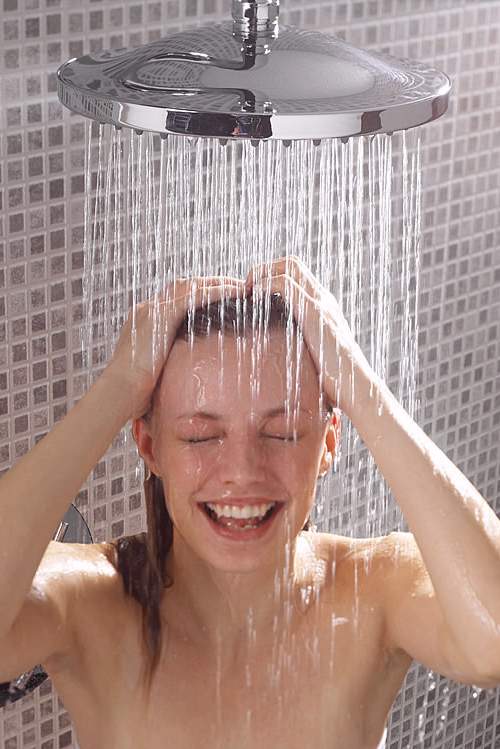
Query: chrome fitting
[(255, 19)]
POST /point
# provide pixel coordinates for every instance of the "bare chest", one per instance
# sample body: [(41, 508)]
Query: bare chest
[(293, 695), (325, 683)]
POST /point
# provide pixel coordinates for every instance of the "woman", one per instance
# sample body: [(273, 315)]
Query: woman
[(208, 632)]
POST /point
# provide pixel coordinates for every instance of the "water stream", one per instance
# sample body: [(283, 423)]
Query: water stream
[(161, 209)]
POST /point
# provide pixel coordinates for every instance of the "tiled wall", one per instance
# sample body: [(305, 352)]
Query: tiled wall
[(41, 233)]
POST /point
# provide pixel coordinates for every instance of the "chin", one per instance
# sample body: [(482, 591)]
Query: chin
[(244, 550)]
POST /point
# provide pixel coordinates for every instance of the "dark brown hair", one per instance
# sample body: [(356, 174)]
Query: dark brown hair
[(141, 559)]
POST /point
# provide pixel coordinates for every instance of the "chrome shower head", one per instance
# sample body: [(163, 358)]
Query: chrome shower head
[(253, 79)]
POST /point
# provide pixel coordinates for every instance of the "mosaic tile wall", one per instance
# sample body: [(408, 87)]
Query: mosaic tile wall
[(41, 233)]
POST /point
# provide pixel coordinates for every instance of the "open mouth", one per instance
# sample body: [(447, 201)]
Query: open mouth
[(238, 527), (254, 522)]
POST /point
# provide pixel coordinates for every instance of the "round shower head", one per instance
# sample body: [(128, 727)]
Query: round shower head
[(292, 84)]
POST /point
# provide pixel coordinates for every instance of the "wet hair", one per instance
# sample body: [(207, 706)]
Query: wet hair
[(141, 559)]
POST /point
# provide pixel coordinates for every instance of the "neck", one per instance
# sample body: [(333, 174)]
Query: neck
[(227, 612)]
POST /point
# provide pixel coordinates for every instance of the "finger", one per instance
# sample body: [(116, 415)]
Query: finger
[(293, 294), (197, 282), (205, 293), (209, 292), (286, 264), (171, 312), (159, 305), (282, 282), (213, 280), (183, 281), (209, 281), (289, 265), (205, 282)]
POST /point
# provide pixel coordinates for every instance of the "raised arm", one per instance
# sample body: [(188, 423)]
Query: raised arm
[(36, 492), (446, 572), (35, 586)]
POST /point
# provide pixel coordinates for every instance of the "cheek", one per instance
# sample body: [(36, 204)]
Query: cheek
[(185, 465), (306, 463), (296, 465)]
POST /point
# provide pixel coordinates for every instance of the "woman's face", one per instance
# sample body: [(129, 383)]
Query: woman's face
[(213, 437)]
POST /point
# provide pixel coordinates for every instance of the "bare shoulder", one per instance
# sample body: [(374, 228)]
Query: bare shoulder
[(326, 544), (371, 560), (98, 561), (85, 584), (391, 552), (339, 549), (77, 577), (376, 548), (73, 573), (82, 562), (69, 582), (332, 560), (58, 550), (400, 567)]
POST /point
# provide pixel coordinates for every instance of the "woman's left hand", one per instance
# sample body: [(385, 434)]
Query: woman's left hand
[(315, 308)]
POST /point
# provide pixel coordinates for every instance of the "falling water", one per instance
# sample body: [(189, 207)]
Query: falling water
[(159, 209)]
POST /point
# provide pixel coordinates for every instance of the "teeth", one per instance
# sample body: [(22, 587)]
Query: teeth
[(248, 511)]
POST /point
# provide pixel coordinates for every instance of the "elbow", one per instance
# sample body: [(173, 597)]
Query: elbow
[(487, 680), (488, 670)]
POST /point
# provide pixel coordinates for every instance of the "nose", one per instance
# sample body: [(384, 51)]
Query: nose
[(240, 461)]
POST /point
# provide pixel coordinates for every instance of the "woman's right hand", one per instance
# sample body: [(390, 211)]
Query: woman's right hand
[(165, 312)]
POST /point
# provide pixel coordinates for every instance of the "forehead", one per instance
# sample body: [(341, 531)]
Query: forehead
[(229, 373)]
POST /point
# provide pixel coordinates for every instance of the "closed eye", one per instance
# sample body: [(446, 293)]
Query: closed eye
[(269, 436)]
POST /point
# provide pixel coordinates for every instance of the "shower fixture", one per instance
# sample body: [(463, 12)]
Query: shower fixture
[(253, 79)]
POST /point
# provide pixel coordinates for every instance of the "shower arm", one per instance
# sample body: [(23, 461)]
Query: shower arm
[(255, 23)]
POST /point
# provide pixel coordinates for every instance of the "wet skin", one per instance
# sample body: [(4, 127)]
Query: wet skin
[(277, 642), (326, 680)]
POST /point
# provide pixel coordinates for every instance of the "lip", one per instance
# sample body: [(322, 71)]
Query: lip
[(241, 501), (253, 534)]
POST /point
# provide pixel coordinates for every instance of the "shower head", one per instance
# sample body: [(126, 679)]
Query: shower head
[(253, 79)]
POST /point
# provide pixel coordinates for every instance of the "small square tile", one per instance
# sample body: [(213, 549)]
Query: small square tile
[(32, 28), (53, 23)]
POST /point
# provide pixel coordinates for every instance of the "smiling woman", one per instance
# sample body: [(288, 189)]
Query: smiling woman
[(185, 440), (284, 633)]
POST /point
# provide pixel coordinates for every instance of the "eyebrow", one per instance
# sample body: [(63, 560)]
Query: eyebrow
[(216, 417)]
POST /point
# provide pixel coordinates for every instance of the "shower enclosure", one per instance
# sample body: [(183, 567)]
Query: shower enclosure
[(287, 163)]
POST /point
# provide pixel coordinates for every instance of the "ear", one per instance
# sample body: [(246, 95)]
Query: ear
[(143, 437), (332, 439)]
